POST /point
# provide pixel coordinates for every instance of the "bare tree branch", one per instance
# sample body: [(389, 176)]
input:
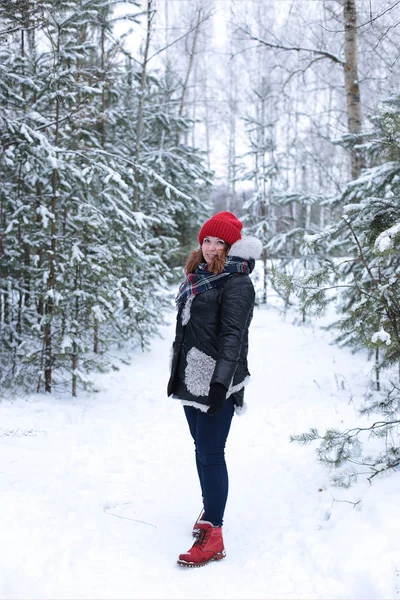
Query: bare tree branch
[(372, 20), (321, 53), (183, 36)]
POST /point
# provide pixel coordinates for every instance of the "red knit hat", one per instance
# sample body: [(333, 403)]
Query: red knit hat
[(223, 225)]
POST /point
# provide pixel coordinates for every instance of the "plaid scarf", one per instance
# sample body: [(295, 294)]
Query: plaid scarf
[(202, 280)]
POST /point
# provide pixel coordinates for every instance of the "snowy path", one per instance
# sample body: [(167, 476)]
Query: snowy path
[(98, 495)]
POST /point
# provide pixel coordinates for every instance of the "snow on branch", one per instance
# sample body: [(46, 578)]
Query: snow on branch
[(386, 240)]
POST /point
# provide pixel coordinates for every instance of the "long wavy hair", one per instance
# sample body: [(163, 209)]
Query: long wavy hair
[(217, 265)]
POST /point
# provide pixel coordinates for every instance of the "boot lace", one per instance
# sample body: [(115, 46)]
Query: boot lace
[(202, 538)]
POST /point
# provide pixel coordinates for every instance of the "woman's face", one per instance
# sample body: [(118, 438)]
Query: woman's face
[(211, 247)]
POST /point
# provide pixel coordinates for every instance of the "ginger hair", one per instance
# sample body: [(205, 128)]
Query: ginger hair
[(217, 265)]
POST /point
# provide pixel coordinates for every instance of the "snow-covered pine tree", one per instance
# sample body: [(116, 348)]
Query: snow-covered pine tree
[(25, 151), (278, 217), (299, 215), (183, 166), (365, 243), (260, 208), (82, 269), (365, 277)]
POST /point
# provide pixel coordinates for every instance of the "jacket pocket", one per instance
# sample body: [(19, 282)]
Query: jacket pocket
[(198, 372)]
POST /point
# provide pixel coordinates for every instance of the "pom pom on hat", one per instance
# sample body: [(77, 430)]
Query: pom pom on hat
[(223, 225)]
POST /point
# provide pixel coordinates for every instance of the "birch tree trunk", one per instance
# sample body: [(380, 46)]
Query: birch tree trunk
[(232, 139), (351, 80), (191, 61), (207, 122), (350, 69)]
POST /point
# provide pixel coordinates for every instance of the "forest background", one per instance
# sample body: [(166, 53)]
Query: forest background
[(123, 125)]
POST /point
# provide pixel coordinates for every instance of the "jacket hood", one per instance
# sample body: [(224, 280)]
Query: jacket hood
[(248, 247)]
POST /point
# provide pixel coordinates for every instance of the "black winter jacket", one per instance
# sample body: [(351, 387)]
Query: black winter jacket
[(212, 346)]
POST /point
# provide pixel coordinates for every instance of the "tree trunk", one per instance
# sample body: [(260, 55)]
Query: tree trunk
[(39, 252), (103, 91), (351, 81), (265, 277), (207, 124), (191, 60), (103, 146), (48, 341), (18, 326), (350, 67), (194, 106), (143, 83), (377, 370), (232, 138), (23, 86), (74, 357)]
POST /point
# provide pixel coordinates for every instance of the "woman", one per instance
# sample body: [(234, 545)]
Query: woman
[(209, 363)]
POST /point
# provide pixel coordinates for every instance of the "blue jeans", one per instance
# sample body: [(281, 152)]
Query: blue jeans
[(210, 433)]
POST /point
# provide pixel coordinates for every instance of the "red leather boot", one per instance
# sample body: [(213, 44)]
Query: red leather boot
[(208, 546)]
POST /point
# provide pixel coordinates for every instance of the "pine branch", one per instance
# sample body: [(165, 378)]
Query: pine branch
[(141, 168), (306, 438), (351, 433), (347, 221)]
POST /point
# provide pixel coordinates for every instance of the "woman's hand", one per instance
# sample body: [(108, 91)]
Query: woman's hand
[(216, 397)]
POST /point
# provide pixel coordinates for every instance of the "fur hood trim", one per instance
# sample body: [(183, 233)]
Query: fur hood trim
[(248, 247)]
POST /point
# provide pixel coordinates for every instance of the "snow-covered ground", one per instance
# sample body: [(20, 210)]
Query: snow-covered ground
[(99, 493)]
